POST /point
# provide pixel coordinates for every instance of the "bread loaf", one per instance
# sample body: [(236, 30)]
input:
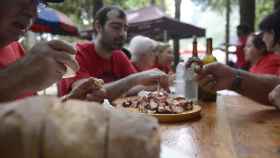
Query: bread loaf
[(76, 129), (21, 125), (45, 127), (133, 135)]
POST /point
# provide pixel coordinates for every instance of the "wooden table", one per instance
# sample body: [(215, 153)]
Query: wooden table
[(234, 127)]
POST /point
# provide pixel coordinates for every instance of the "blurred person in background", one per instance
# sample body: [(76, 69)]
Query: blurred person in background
[(243, 31), (143, 53), (165, 57), (261, 60)]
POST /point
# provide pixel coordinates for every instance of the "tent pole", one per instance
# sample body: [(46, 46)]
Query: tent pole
[(176, 46), (227, 29), (165, 35)]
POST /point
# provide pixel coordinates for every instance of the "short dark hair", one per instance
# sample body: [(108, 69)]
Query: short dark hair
[(102, 14), (126, 52), (243, 29), (257, 40), (271, 23)]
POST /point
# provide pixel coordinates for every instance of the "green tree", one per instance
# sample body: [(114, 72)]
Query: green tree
[(83, 11), (246, 8), (276, 4), (97, 4), (263, 8), (218, 5), (76, 10)]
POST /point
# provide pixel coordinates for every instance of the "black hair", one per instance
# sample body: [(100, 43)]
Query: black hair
[(126, 52), (243, 29), (257, 40), (271, 23), (102, 14)]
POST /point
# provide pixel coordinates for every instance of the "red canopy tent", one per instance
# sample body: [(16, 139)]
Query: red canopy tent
[(154, 23)]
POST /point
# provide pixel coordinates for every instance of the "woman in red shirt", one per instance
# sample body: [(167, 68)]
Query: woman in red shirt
[(262, 61)]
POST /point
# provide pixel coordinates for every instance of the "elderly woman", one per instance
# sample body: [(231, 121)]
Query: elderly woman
[(143, 53), (261, 60), (165, 57)]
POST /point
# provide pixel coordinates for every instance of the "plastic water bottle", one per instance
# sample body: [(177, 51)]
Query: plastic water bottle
[(191, 85), (180, 81)]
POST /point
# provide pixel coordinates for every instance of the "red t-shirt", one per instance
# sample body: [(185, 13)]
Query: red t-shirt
[(140, 70), (136, 67), (268, 64), (165, 68), (241, 62), (9, 55), (92, 65)]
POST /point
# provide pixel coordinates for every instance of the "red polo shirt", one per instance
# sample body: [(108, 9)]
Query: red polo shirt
[(9, 55), (268, 64), (92, 65)]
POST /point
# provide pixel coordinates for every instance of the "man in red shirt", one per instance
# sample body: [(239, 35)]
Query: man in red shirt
[(42, 66), (104, 59)]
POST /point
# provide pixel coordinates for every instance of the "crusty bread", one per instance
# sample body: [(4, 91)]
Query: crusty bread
[(133, 135), (21, 127), (76, 129), (46, 127)]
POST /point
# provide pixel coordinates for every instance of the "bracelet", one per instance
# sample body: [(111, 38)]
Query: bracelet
[(236, 83)]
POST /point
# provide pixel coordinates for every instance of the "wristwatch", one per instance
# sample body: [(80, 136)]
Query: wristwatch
[(236, 83)]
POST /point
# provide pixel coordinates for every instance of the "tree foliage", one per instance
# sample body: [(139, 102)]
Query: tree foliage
[(218, 5), (82, 10), (263, 7)]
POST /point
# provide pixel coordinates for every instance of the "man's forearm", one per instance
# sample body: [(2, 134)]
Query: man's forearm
[(117, 88), (11, 81), (257, 87), (135, 90)]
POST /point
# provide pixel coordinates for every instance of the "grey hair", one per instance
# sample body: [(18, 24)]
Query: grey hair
[(140, 45)]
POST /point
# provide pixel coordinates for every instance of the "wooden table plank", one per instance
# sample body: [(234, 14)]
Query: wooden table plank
[(235, 127), (255, 129)]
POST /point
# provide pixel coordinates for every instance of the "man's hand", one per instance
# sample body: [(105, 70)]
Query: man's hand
[(46, 63), (152, 77), (216, 76), (90, 89), (274, 96)]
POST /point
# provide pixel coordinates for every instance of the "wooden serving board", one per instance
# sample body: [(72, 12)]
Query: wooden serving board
[(166, 118)]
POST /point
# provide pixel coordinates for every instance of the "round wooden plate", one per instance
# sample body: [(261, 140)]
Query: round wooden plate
[(168, 118)]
